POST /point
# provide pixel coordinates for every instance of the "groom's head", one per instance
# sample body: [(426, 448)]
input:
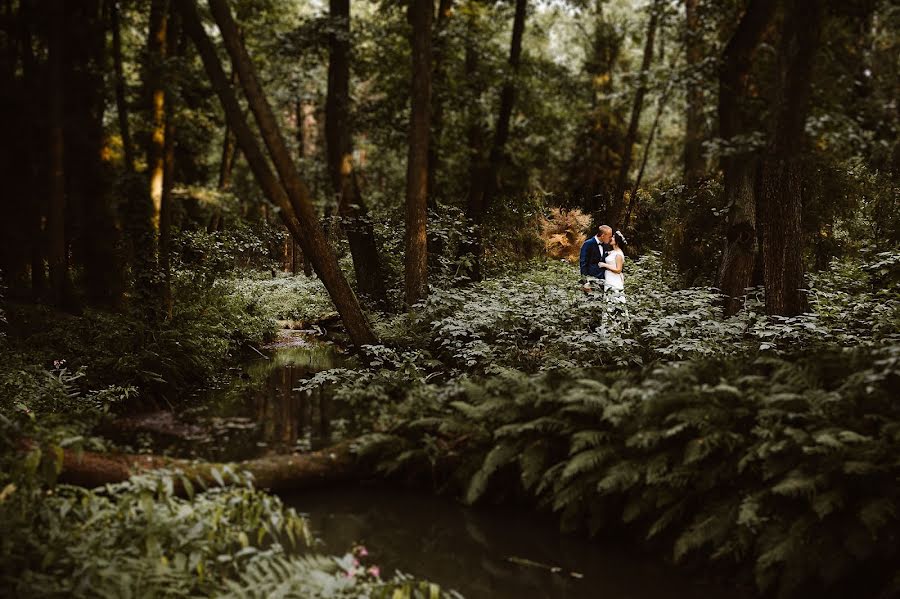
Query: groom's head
[(604, 233)]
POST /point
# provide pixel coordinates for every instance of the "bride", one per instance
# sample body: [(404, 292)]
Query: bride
[(613, 279)]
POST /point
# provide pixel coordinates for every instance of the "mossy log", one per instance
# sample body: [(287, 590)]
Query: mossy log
[(278, 472)]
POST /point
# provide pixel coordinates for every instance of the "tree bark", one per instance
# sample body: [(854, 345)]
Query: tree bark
[(420, 17), (739, 256), (507, 100), (693, 130), (276, 473), (156, 53), (782, 199), (338, 137), (636, 109), (294, 196), (121, 99)]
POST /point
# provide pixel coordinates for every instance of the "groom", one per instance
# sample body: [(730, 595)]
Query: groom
[(593, 252)]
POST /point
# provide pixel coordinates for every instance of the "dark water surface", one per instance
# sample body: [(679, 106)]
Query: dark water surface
[(482, 553), (469, 549), (253, 411)]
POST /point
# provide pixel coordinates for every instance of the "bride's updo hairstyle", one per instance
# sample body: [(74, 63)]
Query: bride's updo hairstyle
[(620, 239)]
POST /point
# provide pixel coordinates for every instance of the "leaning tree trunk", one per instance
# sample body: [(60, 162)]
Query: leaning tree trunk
[(618, 200), (782, 200), (165, 208), (310, 234), (352, 209), (507, 101), (736, 269), (420, 17)]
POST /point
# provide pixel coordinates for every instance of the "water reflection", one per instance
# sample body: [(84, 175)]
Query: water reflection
[(469, 550), (255, 411)]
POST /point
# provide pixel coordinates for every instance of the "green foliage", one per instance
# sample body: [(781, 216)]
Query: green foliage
[(751, 460)]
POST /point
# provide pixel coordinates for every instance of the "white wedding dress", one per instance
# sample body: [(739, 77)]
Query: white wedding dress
[(613, 281)]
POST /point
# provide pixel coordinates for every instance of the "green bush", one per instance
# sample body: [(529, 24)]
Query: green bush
[(785, 465)]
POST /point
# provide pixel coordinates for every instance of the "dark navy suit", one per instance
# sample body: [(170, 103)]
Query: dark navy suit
[(592, 253)]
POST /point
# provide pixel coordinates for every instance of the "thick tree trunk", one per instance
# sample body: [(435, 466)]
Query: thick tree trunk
[(338, 137), (782, 199), (736, 270), (294, 195), (121, 99), (276, 473), (693, 129), (507, 101), (420, 17), (618, 203)]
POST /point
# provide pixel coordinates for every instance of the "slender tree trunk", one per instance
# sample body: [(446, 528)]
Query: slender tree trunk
[(338, 137), (660, 106), (420, 17), (636, 109), (476, 141), (782, 200), (56, 214), (312, 238), (445, 7), (736, 270), (693, 131), (165, 210), (121, 101), (507, 100), (156, 51)]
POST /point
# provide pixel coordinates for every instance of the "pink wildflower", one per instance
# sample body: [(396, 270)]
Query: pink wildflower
[(375, 571)]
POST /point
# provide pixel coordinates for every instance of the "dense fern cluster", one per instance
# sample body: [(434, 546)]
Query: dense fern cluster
[(787, 467), (541, 320)]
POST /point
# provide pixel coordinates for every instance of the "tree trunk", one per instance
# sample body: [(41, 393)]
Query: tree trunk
[(294, 194), (782, 199), (660, 106), (439, 95), (156, 53), (693, 130), (275, 473), (420, 17), (56, 213), (507, 100), (476, 140), (636, 108), (352, 209), (736, 270), (121, 101), (165, 210)]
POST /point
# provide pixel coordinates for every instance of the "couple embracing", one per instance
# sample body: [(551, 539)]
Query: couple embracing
[(602, 258)]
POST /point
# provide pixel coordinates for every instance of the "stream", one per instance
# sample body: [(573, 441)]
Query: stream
[(488, 552)]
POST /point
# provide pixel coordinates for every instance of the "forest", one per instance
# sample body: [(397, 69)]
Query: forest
[(453, 298)]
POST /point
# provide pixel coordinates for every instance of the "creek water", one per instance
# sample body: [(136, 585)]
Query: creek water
[(489, 552), (482, 553)]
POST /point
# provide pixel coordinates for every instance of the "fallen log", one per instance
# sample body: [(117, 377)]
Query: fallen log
[(279, 472)]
